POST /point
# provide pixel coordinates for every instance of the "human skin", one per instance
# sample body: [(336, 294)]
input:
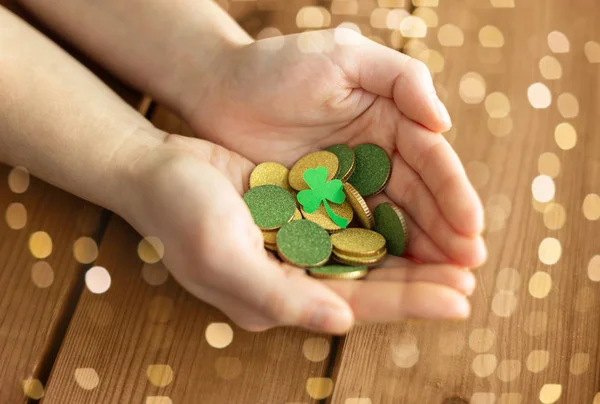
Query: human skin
[(274, 99)]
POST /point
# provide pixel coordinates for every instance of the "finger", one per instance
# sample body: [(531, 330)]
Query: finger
[(437, 164), (392, 301), (389, 73), (395, 269), (420, 245), (407, 190)]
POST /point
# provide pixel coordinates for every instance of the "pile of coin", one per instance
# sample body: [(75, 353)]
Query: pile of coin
[(336, 240)]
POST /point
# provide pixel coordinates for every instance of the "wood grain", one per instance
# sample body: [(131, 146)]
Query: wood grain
[(380, 363)]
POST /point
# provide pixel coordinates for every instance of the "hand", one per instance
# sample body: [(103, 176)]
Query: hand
[(280, 98), (187, 193)]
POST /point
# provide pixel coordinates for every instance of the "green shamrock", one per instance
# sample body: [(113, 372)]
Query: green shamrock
[(322, 190)]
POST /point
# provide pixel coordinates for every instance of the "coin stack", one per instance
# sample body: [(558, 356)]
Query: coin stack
[(320, 239)]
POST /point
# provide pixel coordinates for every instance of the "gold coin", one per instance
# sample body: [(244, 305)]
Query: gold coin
[(270, 173), (351, 254), (270, 237), (297, 215), (358, 242), (271, 247), (321, 217), (313, 160), (360, 206), (400, 214), (350, 260), (358, 274)]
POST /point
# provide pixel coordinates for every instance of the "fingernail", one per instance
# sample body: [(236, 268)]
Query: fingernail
[(442, 112), (332, 319)]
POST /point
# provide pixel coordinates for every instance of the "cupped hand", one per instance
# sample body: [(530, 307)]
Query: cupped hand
[(187, 192), (280, 98)]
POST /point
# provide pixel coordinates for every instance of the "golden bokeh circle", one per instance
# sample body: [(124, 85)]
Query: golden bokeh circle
[(537, 361), (558, 42), (549, 164), (543, 188), (42, 274), (508, 280), (592, 51), (540, 284), (503, 3), (40, 244), (158, 400), (97, 280), (395, 17), (433, 59), (500, 127), (484, 365), (550, 68), (539, 96), (219, 335), (482, 397), (497, 105), (591, 207), (482, 339), (319, 388), (151, 250), (472, 88), (549, 251), (450, 35), (579, 363), (160, 375), (85, 250), (313, 17), (315, 349), (87, 378), (18, 180), (565, 136), (404, 351), (33, 388), (490, 36), (568, 106), (593, 268), (550, 393), (358, 400), (428, 15), (16, 216), (413, 27), (155, 274), (508, 370), (504, 304), (554, 216)]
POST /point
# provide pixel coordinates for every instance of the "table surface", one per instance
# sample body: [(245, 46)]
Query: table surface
[(521, 80)]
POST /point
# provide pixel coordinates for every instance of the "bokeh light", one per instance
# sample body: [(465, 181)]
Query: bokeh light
[(550, 393), (151, 250), (85, 250), (315, 349), (219, 335), (549, 164), (543, 188), (539, 96), (160, 375), (484, 365), (319, 388), (565, 136), (591, 207), (491, 37), (592, 51), (97, 280), (87, 378), (42, 274), (472, 88), (40, 244), (450, 35), (568, 106), (549, 251), (550, 68), (558, 42), (537, 361), (18, 180), (16, 216)]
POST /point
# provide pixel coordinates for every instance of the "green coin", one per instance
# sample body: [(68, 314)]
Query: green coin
[(303, 243), (390, 223), (340, 272), (347, 159), (373, 169), (271, 206)]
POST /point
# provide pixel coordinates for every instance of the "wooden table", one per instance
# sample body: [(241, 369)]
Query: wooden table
[(521, 80)]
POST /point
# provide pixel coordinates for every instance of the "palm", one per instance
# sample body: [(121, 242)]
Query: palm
[(280, 106)]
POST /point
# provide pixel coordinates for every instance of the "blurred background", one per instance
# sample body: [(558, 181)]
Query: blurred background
[(520, 79)]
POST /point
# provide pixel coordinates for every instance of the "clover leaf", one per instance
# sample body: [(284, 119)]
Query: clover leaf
[(322, 191)]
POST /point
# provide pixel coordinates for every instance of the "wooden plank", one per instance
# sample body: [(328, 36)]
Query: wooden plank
[(516, 348), (134, 327), (38, 296)]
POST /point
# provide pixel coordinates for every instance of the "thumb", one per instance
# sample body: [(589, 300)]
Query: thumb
[(389, 73)]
